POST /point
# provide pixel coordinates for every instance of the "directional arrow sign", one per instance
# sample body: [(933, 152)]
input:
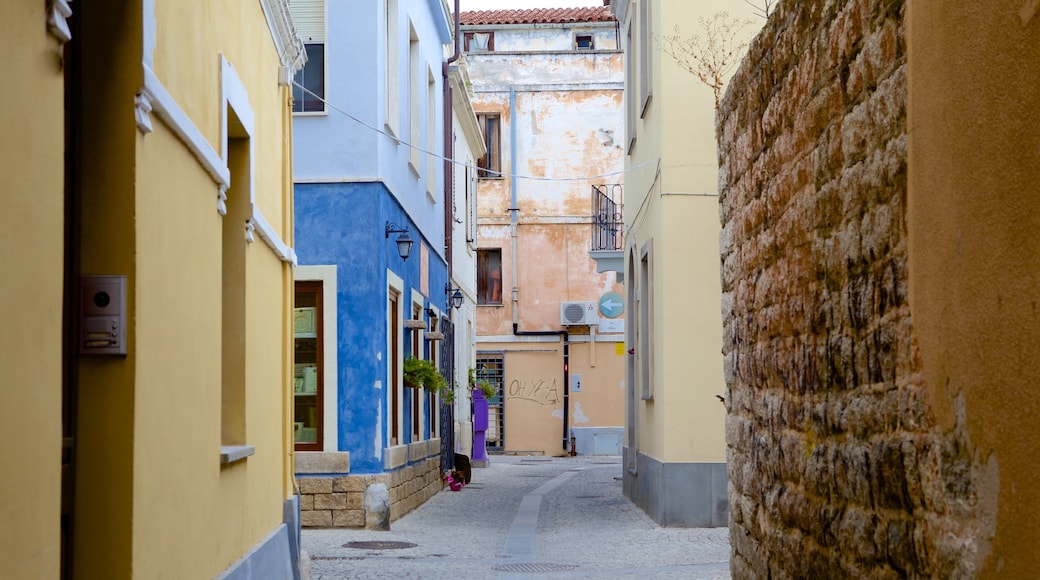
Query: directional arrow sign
[(611, 305)]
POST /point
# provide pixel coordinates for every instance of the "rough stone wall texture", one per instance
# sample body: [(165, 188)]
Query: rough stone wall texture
[(338, 502), (836, 466)]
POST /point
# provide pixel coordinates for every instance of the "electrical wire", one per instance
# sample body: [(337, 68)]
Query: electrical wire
[(400, 141)]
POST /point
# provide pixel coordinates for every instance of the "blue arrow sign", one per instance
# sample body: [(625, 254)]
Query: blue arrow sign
[(611, 305)]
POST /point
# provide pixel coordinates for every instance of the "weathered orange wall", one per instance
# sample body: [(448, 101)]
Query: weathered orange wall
[(974, 218)]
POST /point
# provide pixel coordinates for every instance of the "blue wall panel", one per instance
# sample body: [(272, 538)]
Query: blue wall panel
[(342, 224)]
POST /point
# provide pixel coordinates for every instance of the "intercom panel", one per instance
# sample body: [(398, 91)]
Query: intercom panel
[(103, 315)]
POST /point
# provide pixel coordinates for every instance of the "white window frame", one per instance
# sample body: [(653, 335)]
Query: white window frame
[(394, 285), (310, 18), (327, 276), (645, 348), (414, 86), (431, 135), (393, 69)]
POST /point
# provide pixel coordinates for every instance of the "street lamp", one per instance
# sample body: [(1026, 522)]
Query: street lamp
[(404, 242), (455, 296)]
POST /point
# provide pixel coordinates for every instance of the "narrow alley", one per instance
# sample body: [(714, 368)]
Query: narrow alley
[(524, 517)]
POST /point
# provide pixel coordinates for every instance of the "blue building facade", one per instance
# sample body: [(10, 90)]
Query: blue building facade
[(368, 140)]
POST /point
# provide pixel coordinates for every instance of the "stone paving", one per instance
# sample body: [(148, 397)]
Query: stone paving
[(526, 517)]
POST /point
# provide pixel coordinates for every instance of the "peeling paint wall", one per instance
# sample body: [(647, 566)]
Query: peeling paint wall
[(569, 127)]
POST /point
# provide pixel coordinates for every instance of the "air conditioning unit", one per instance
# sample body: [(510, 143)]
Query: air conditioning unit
[(578, 313)]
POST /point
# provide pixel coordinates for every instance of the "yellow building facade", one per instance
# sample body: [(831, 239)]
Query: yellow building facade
[(675, 450), (150, 193)]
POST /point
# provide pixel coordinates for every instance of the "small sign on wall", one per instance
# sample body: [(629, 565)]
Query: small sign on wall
[(575, 383), (608, 326)]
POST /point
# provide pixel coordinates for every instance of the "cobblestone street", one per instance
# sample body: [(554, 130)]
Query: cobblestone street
[(525, 517)]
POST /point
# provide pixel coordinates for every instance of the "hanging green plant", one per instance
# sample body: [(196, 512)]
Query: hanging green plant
[(483, 384), (421, 373)]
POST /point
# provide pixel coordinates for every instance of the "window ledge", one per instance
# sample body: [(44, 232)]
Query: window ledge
[(233, 453)]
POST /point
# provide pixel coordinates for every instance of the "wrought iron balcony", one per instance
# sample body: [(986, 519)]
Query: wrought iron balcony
[(608, 228), (607, 221)]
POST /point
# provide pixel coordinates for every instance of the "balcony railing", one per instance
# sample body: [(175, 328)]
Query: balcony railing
[(607, 221)]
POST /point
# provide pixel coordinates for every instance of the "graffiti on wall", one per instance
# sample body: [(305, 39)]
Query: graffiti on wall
[(541, 391)]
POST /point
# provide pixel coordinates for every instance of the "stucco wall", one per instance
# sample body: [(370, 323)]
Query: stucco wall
[(974, 254), (342, 224), (534, 391), (150, 485), (32, 228), (860, 442)]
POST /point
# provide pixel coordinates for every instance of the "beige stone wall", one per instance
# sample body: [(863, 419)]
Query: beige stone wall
[(837, 465), (338, 502)]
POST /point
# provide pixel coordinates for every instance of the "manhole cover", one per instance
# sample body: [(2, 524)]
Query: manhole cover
[(533, 568), (379, 545)]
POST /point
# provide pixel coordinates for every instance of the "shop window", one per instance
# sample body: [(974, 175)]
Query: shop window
[(308, 387)]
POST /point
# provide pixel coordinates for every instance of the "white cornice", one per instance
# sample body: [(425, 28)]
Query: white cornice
[(154, 97), (58, 12), (463, 107), (261, 226), (286, 41)]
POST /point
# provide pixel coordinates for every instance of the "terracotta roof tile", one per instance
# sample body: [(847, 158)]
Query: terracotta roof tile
[(537, 16)]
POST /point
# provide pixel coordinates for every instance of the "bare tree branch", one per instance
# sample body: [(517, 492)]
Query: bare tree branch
[(710, 58), (762, 9)]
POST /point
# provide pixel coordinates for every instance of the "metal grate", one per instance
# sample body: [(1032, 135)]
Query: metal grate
[(379, 545), (607, 219), (533, 568), (491, 368), (447, 414)]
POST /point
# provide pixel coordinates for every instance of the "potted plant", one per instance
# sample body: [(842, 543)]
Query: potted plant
[(483, 385), (421, 373)]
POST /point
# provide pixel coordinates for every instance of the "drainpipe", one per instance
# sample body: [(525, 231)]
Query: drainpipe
[(449, 168), (513, 209), (449, 180)]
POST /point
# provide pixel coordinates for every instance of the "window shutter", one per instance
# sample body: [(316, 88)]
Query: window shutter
[(309, 18)]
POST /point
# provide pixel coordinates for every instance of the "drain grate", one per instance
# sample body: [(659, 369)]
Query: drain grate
[(379, 545), (533, 568)]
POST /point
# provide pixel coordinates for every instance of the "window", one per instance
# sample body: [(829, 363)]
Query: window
[(431, 396), (416, 397), (431, 134), (309, 99), (414, 87), (308, 370), (233, 285), (490, 164), (644, 329), (471, 205), (395, 395), (479, 41), (489, 276), (630, 97), (583, 42), (393, 54), (645, 56), (309, 18), (491, 368)]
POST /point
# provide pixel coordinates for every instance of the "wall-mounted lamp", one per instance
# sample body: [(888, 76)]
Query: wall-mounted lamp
[(404, 243), (455, 296)]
